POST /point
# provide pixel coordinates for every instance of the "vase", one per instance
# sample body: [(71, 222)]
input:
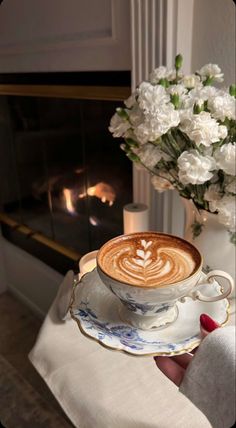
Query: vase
[(213, 240)]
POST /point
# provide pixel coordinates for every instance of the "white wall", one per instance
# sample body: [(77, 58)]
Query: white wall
[(214, 36), (31, 280), (59, 35)]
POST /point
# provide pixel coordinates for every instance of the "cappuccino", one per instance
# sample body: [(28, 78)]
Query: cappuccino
[(148, 259)]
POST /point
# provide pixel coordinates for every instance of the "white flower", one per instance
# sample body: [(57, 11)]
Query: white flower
[(118, 126), (161, 184), (157, 74), (171, 75), (162, 73), (150, 155), (155, 125), (203, 129), (225, 157), (222, 132), (151, 97), (185, 114), (183, 128), (195, 168), (226, 209), (230, 184), (198, 95), (136, 116), (131, 100), (191, 81), (177, 89), (222, 106), (213, 193), (212, 71)]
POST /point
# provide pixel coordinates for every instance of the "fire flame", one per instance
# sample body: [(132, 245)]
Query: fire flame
[(68, 200), (102, 191)]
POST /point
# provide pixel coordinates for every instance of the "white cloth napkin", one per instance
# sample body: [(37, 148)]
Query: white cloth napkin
[(99, 388)]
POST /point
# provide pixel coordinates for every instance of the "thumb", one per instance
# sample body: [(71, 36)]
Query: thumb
[(207, 324)]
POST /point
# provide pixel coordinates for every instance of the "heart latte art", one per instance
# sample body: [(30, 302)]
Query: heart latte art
[(148, 259)]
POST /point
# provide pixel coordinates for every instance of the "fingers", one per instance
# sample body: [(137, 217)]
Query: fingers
[(174, 367), (207, 325), (171, 369), (183, 360)]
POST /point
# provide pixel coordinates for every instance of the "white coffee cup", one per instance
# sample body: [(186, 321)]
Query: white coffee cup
[(154, 305)]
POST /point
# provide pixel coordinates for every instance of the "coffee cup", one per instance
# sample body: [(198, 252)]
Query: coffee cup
[(150, 271)]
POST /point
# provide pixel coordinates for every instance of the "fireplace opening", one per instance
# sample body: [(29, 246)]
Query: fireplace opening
[(64, 179)]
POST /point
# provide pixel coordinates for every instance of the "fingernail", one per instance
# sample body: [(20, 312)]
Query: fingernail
[(208, 323)]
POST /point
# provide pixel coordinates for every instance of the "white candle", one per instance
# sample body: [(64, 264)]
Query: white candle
[(135, 217), (88, 262)]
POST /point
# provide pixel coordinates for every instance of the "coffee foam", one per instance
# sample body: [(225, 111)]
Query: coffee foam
[(148, 259)]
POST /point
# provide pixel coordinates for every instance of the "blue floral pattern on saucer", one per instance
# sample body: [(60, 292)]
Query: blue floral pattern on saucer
[(96, 310)]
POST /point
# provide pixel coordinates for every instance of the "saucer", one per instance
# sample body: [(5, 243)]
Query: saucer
[(96, 311)]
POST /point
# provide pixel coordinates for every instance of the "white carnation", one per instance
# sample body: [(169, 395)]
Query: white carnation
[(150, 155), (213, 193), (177, 89), (136, 116), (222, 106), (171, 75), (162, 73), (195, 168), (161, 184), (191, 81), (151, 97), (118, 126), (185, 114), (131, 100), (225, 157), (202, 129), (230, 185), (154, 126), (212, 71), (157, 74), (198, 95), (226, 209), (222, 132)]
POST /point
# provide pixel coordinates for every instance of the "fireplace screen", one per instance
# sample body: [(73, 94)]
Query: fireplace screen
[(63, 176)]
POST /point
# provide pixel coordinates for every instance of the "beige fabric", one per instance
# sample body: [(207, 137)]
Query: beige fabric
[(99, 388), (210, 378)]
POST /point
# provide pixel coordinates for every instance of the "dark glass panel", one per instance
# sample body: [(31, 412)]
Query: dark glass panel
[(70, 180)]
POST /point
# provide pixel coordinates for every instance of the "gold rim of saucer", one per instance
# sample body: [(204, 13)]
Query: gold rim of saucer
[(124, 351)]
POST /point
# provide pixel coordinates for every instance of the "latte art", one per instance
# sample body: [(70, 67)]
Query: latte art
[(148, 260)]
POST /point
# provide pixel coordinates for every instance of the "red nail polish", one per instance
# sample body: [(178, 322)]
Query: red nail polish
[(208, 323)]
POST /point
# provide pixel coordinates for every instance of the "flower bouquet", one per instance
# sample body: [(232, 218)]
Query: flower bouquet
[(182, 129)]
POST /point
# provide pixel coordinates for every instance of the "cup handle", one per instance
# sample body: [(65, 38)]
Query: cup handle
[(196, 294)]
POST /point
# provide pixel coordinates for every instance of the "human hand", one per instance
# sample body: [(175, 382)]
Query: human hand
[(174, 367)]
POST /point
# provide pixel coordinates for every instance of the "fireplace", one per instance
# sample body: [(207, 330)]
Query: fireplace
[(64, 179)]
